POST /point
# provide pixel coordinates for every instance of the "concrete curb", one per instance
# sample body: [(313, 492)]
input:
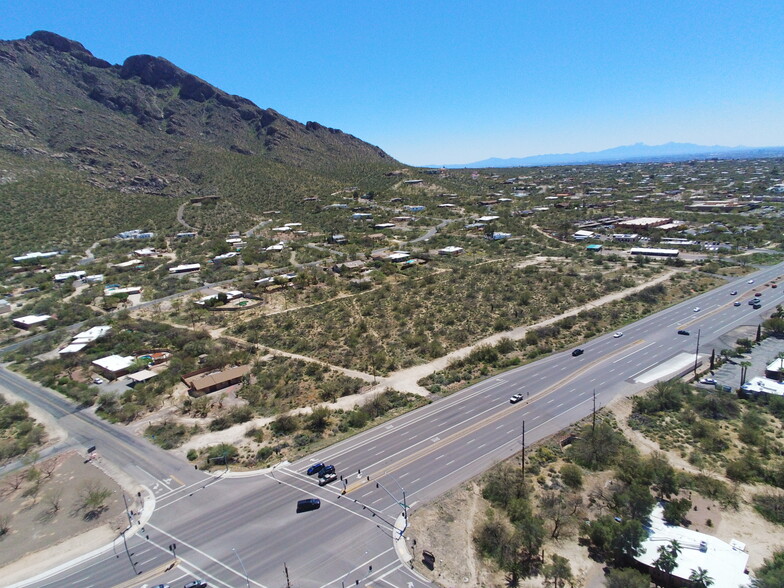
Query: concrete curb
[(148, 506), (399, 540), (248, 474)]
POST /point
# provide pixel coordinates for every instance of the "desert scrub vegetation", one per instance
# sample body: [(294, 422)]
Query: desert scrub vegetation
[(19, 433), (291, 436), (67, 201), (566, 332), (426, 314), (282, 383), (716, 430)]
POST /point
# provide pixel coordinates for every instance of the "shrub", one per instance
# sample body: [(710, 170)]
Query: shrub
[(167, 434), (240, 414), (264, 453), (224, 453), (770, 506), (284, 425), (572, 476)]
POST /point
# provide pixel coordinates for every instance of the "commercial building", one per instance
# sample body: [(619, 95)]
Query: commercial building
[(724, 562)]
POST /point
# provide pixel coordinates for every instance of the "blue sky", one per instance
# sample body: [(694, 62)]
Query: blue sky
[(434, 82)]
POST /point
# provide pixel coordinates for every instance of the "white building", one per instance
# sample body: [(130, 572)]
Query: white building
[(69, 276), (25, 322), (36, 255), (451, 250), (114, 291), (724, 562), (582, 235), (188, 267), (114, 365)]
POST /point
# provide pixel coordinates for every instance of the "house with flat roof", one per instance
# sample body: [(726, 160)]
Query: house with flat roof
[(114, 366), (77, 275), (187, 267), (451, 250), (35, 255), (208, 381), (31, 320)]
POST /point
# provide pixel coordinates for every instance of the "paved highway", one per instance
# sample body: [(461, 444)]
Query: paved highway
[(230, 526)]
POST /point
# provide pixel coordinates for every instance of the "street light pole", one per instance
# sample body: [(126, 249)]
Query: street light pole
[(697, 353), (247, 580)]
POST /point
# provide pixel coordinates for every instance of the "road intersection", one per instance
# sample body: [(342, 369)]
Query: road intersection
[(243, 530)]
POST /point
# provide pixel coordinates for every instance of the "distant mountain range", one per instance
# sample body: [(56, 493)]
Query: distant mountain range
[(639, 152)]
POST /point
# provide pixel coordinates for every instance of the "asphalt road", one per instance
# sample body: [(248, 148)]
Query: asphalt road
[(230, 526)]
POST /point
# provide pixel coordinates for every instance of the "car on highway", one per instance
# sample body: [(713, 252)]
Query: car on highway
[(774, 285), (161, 586), (327, 479), (307, 504), (196, 584), (736, 303), (696, 309), (757, 294), (683, 332), (734, 293), (750, 282), (754, 301), (516, 398), (326, 470), (316, 468), (577, 352), (617, 334)]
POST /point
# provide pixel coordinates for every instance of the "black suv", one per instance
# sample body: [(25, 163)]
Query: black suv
[(577, 352), (326, 470), (682, 332)]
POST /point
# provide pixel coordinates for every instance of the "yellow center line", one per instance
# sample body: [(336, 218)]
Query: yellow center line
[(495, 417)]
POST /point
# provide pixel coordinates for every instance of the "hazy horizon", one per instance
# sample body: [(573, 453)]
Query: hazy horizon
[(450, 82)]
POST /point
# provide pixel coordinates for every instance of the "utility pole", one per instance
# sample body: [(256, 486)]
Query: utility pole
[(593, 414), (521, 488), (288, 583), (697, 353)]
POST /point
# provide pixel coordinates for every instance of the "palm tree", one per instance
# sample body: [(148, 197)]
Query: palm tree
[(700, 578), (668, 559), (744, 365)]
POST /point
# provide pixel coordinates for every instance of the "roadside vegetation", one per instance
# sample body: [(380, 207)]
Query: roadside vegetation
[(19, 433), (290, 436)]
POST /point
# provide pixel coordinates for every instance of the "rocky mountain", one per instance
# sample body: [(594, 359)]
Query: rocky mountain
[(139, 126)]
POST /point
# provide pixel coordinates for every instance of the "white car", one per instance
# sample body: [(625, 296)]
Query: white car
[(696, 309), (707, 381), (516, 398), (618, 334), (97, 381), (750, 282)]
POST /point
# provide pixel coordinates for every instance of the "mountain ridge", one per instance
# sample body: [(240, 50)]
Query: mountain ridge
[(633, 153), (129, 125)]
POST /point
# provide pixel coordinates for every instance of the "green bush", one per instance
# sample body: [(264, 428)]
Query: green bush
[(572, 476), (284, 425), (770, 506), (167, 434), (264, 453), (224, 453)]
